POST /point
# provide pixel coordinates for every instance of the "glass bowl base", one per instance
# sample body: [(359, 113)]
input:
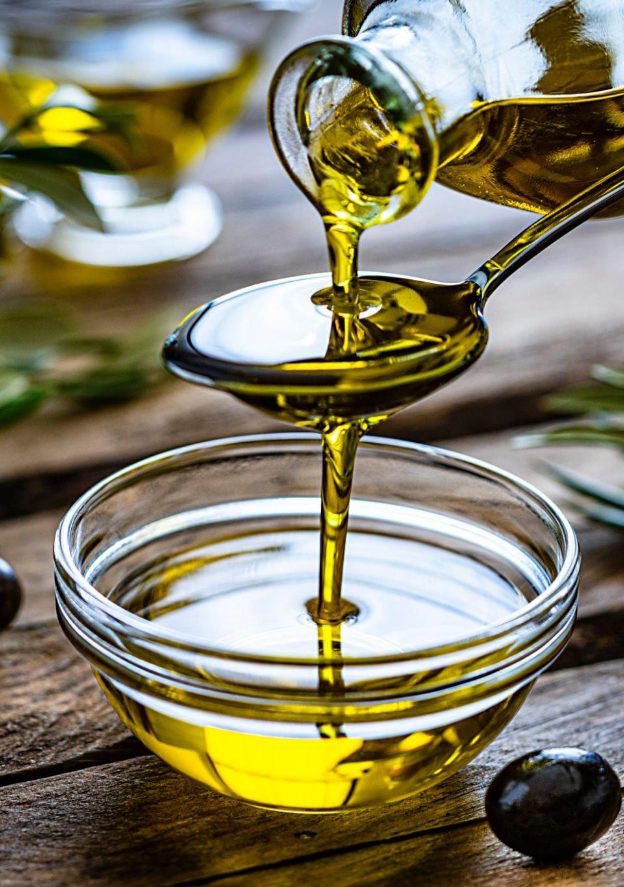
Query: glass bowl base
[(140, 235), (337, 772)]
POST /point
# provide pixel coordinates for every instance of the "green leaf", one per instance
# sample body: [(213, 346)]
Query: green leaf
[(104, 346), (585, 486), (19, 397), (82, 158), (609, 376), (30, 330), (613, 517), (603, 404), (604, 435), (117, 117), (38, 345), (62, 186), (102, 385), (589, 399)]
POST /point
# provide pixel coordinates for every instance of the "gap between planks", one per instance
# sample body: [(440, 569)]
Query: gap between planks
[(464, 854)]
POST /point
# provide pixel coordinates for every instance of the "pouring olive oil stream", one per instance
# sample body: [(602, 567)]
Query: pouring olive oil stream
[(342, 357)]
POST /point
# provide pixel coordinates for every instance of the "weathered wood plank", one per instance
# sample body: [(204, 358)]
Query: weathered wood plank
[(52, 710), (463, 856), (138, 823)]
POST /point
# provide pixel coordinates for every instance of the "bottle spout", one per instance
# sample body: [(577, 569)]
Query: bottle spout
[(352, 130)]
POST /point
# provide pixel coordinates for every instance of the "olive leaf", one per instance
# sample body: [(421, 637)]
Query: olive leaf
[(44, 357), (30, 331), (52, 171), (118, 119), (81, 158), (108, 383), (591, 399), (585, 486), (598, 432), (110, 118), (610, 376), (63, 187), (19, 397), (601, 404), (613, 517)]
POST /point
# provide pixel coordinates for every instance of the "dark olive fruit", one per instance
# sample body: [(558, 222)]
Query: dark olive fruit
[(10, 594), (550, 804)]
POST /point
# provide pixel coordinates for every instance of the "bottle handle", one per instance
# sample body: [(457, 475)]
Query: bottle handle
[(343, 57)]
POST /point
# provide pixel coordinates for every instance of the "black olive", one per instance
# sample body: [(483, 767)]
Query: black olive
[(10, 594), (550, 804)]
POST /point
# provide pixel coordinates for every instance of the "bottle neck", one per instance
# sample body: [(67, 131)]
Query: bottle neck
[(353, 130), (436, 50)]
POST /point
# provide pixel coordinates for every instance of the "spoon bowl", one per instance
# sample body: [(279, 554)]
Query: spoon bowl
[(280, 347)]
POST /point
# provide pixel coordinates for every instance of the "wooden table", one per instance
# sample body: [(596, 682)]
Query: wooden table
[(82, 801)]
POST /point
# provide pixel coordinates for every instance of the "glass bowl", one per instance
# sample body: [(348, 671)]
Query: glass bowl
[(184, 579), (178, 73)]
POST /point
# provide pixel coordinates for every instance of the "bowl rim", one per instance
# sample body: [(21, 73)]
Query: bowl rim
[(71, 582), (74, 12)]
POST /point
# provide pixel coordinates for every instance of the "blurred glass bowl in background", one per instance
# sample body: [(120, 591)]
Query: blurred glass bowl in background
[(181, 69)]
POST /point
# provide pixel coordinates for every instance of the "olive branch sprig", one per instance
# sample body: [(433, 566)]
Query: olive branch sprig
[(43, 355), (600, 407)]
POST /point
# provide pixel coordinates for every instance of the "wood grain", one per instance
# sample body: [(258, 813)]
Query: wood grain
[(467, 855), (138, 823), (52, 711)]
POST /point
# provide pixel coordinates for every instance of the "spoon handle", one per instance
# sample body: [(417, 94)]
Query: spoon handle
[(547, 230)]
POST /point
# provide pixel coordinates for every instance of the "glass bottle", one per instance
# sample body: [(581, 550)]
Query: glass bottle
[(520, 103)]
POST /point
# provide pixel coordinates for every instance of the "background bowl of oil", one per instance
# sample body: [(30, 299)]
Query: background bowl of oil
[(178, 72), (184, 581)]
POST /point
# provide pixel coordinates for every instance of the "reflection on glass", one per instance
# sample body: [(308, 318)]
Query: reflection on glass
[(523, 107), (180, 71)]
